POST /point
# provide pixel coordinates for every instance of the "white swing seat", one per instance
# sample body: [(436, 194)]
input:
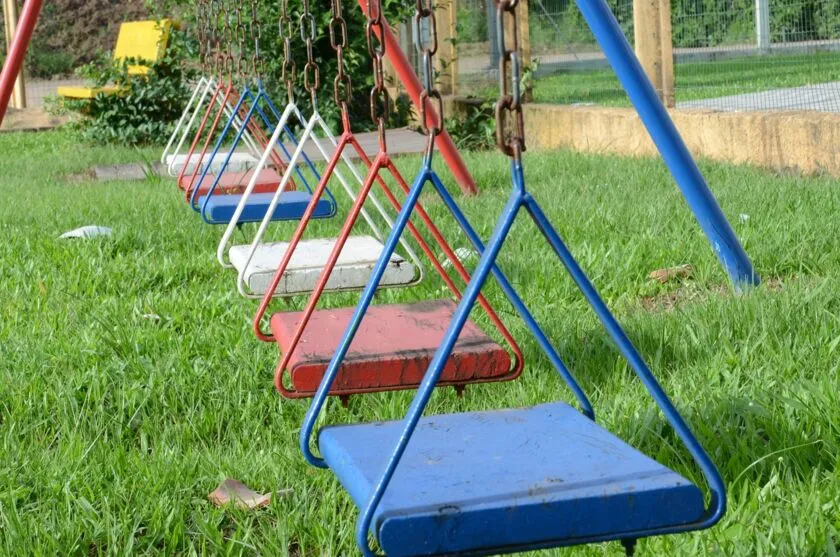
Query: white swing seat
[(239, 162), (352, 270)]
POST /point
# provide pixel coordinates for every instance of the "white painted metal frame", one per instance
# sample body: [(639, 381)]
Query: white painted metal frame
[(308, 134), (173, 158)]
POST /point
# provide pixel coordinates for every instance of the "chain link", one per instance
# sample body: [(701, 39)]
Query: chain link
[(289, 68), (213, 51), (257, 63), (239, 31), (427, 46), (510, 120), (201, 33), (342, 85), (375, 36), (227, 36), (311, 71)]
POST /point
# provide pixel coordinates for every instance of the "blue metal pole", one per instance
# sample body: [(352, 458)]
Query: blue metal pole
[(700, 199)]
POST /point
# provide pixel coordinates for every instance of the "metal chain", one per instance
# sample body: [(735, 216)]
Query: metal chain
[(201, 33), (289, 68), (342, 86), (227, 36), (375, 35), (257, 63), (427, 48), (213, 39), (510, 136), (311, 71), (239, 32)]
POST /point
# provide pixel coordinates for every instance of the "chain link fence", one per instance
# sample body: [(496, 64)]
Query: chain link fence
[(69, 33), (729, 54)]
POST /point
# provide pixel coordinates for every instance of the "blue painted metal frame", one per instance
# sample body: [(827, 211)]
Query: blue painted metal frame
[(519, 198), (255, 107), (661, 128)]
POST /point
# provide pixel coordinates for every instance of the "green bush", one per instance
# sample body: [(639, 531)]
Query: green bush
[(145, 108)]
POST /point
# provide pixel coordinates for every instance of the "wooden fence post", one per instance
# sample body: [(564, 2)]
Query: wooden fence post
[(446, 14), (10, 19), (654, 45)]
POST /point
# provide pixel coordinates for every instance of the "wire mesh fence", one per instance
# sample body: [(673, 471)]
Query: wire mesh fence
[(69, 33), (729, 54), (757, 55)]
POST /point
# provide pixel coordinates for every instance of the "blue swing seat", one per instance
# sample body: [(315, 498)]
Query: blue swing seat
[(292, 205), (506, 480)]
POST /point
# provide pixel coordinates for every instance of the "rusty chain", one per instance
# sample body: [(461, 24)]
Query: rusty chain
[(510, 135), (342, 85), (257, 63), (213, 44), (201, 33), (239, 32), (311, 71), (227, 36), (427, 48), (289, 68), (375, 36)]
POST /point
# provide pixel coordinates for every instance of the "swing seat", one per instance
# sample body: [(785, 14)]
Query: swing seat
[(507, 480), (392, 349), (352, 270), (268, 180), (239, 162), (292, 205)]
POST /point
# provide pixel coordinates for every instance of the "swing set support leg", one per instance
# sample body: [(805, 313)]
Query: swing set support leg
[(668, 141), (17, 52), (412, 85)]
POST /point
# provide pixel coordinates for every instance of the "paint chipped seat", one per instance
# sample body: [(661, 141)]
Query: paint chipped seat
[(268, 180), (506, 480), (292, 205), (392, 349), (352, 270)]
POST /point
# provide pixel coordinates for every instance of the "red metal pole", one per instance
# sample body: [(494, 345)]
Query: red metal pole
[(14, 59), (412, 85)]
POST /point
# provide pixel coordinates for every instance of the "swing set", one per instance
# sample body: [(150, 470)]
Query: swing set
[(468, 483)]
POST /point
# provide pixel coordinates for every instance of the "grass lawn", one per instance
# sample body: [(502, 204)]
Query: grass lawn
[(694, 80), (115, 426)]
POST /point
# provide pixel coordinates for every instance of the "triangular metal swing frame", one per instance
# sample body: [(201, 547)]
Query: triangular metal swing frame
[(307, 338), (504, 481), (172, 158), (219, 210)]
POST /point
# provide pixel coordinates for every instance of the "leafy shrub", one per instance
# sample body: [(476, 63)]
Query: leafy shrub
[(146, 106)]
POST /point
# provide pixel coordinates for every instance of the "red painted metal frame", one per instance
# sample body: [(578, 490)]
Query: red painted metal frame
[(17, 52), (413, 86), (239, 181), (380, 163)]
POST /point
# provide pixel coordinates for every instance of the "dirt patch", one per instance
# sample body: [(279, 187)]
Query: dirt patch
[(691, 293), (30, 119)]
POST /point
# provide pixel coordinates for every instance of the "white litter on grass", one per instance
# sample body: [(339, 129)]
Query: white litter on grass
[(463, 255), (87, 232), (744, 218)]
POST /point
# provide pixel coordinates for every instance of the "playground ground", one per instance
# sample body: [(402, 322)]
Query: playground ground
[(131, 384)]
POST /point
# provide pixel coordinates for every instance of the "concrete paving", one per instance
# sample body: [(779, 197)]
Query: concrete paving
[(822, 97)]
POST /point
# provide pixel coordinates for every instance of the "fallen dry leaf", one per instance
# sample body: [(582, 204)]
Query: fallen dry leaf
[(665, 275), (234, 491)]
